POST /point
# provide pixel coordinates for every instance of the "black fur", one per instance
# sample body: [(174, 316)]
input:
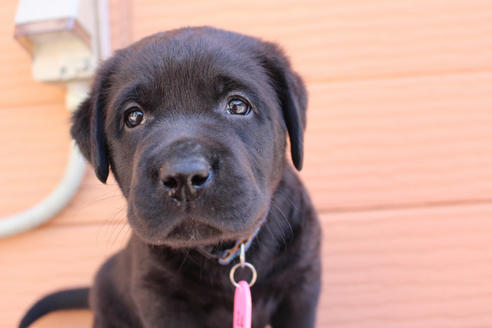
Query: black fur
[(63, 300), (182, 80)]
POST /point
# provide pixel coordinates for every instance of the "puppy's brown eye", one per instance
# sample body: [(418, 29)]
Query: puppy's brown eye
[(133, 117), (238, 106)]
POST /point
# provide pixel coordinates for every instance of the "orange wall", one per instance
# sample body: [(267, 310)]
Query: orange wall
[(398, 156)]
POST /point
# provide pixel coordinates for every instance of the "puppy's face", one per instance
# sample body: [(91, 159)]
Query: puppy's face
[(193, 124)]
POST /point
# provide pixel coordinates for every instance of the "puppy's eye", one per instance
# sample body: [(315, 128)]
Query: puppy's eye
[(133, 117), (238, 106)]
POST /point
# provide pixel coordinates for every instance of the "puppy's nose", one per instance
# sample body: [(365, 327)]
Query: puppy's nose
[(185, 180)]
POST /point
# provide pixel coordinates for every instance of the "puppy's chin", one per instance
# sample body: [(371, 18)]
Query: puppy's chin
[(189, 233), (185, 231), (192, 233)]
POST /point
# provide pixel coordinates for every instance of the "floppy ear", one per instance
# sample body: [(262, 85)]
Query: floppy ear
[(88, 123), (292, 95)]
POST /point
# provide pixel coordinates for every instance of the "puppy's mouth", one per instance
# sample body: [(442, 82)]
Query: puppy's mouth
[(191, 232)]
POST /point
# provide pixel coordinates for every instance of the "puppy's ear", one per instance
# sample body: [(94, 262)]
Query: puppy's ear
[(88, 123), (292, 95)]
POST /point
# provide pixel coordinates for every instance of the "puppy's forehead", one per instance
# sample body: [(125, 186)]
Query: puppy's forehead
[(194, 61)]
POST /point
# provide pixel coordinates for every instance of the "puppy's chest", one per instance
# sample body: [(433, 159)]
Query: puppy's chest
[(221, 316), (213, 307)]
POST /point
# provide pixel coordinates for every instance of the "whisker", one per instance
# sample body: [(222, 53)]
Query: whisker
[(184, 260), (97, 201), (283, 232)]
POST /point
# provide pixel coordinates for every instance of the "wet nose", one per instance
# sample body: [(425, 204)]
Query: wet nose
[(184, 180)]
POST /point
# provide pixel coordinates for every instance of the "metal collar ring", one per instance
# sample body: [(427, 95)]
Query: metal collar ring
[(254, 275)]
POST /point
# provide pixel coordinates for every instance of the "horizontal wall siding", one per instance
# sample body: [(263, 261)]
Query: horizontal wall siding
[(400, 142), (425, 267)]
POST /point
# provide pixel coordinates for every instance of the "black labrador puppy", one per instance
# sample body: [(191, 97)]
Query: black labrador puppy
[(193, 124)]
